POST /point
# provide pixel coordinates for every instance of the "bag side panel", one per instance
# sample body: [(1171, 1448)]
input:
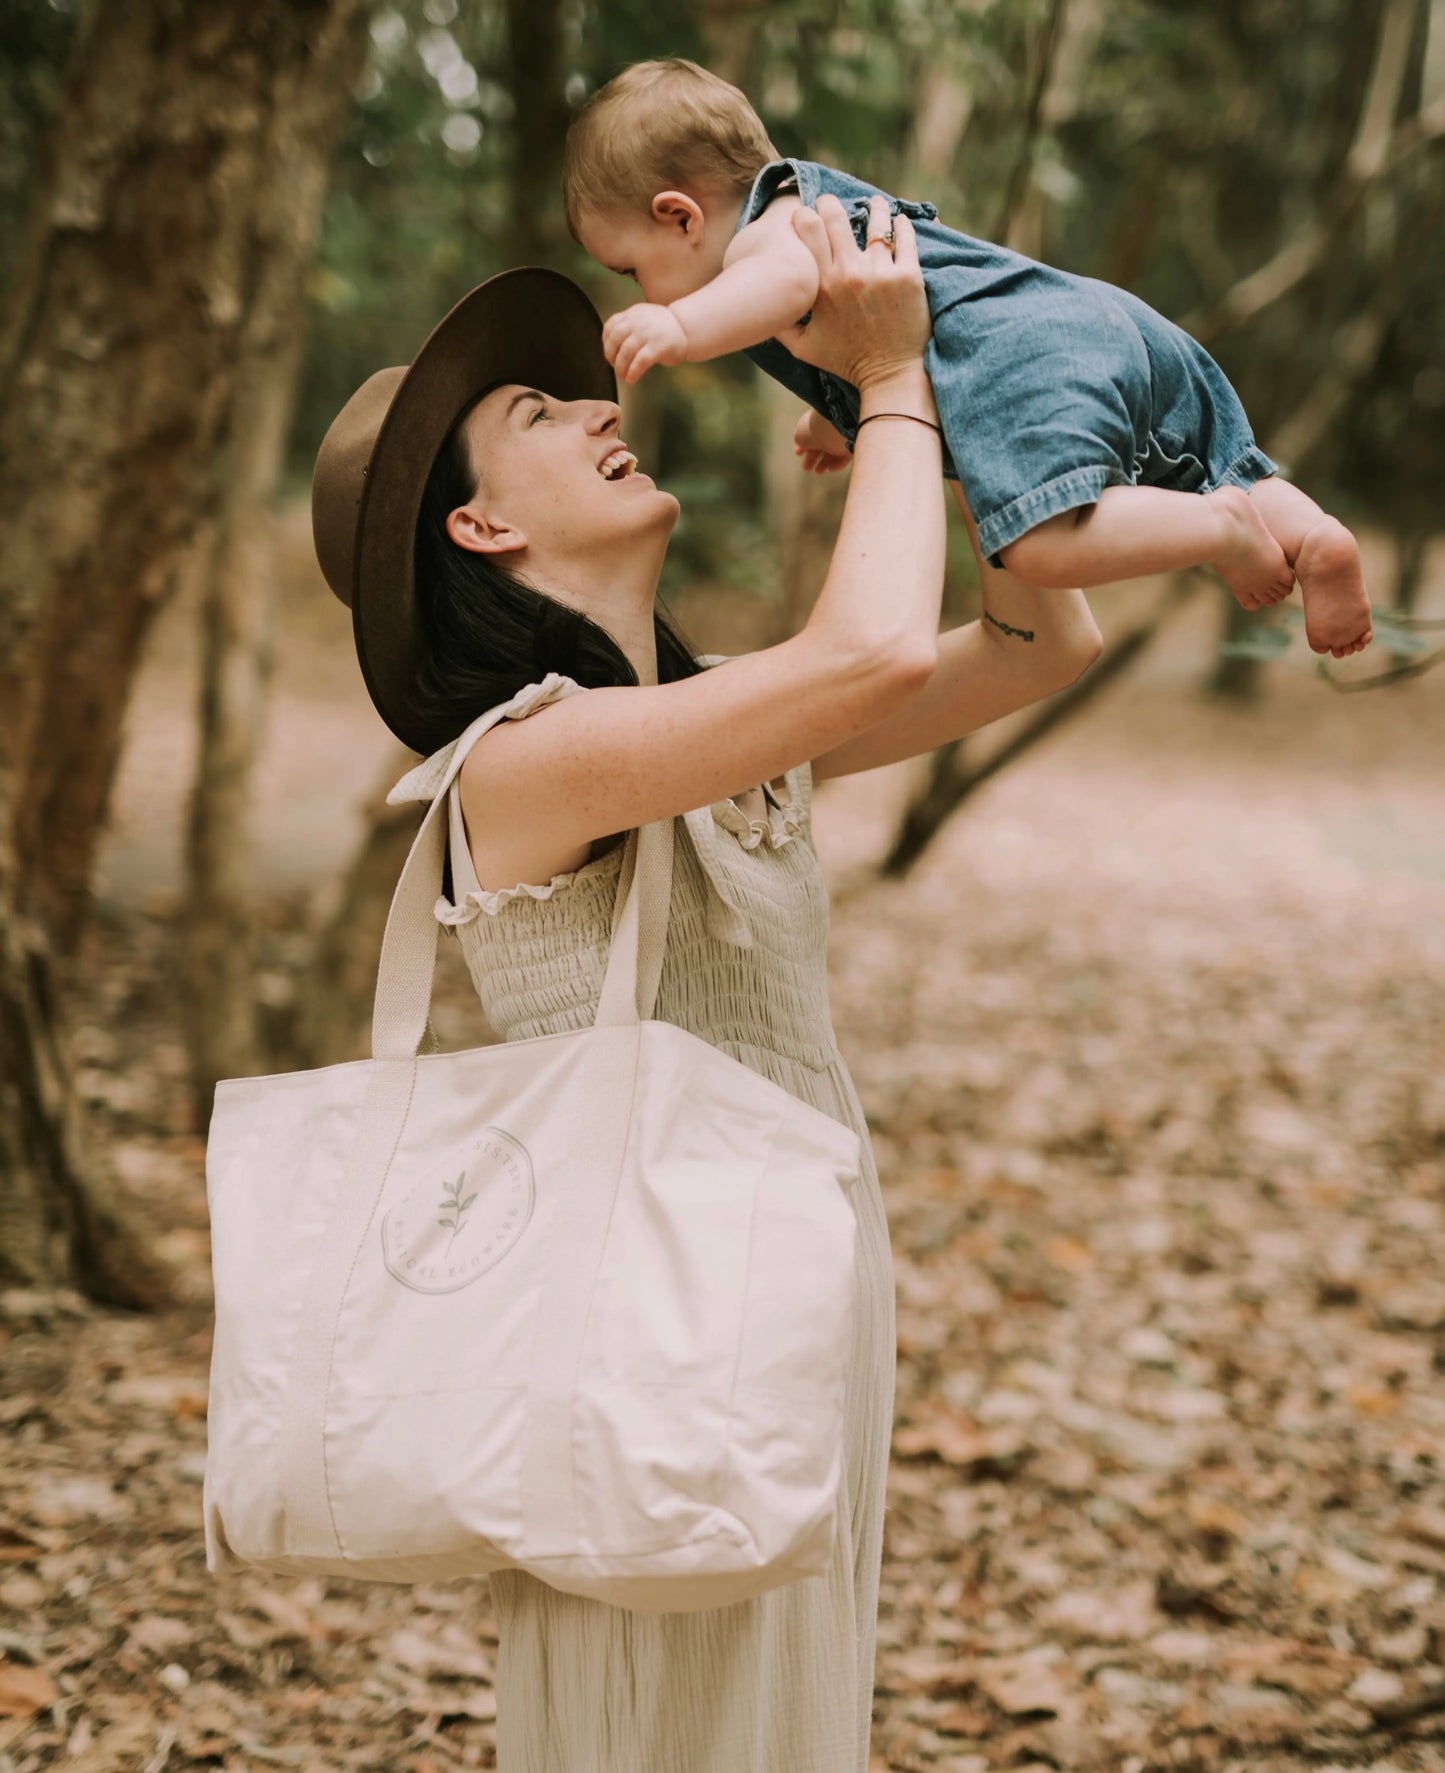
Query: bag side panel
[(277, 1150)]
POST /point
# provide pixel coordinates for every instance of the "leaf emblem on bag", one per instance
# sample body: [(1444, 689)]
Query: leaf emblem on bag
[(455, 1205), (485, 1189)]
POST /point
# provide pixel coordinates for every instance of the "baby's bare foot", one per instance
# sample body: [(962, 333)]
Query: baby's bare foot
[(1337, 606), (1248, 558)]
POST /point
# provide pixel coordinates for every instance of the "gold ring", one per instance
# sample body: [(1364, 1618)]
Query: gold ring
[(882, 240)]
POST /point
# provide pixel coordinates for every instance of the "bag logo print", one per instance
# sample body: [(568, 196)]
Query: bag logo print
[(442, 1234)]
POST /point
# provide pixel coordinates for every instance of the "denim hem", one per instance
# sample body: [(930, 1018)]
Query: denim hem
[(1080, 486), (766, 182), (1245, 470)]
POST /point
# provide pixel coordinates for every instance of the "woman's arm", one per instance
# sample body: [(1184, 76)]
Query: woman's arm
[(1030, 644), (613, 759)]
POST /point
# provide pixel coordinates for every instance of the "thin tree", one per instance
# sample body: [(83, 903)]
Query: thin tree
[(122, 363), (238, 590)]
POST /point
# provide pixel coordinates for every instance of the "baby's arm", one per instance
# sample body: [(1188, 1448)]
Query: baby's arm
[(769, 281)]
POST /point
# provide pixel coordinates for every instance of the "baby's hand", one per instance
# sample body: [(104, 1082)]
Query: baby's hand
[(641, 336), (824, 450)]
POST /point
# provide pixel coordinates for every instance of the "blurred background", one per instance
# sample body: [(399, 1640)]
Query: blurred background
[(1141, 987)]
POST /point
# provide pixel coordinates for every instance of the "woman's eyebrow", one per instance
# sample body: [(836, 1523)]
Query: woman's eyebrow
[(526, 394)]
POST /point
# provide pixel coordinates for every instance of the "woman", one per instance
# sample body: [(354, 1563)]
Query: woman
[(506, 556)]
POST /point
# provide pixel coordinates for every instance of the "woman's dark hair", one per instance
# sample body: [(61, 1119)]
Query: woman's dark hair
[(487, 633)]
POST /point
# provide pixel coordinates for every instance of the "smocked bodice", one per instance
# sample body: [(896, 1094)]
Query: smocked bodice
[(745, 967)]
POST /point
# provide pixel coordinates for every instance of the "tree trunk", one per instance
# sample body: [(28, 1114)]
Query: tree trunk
[(61, 1217), (730, 30), (1234, 677), (238, 603), (1410, 550), (332, 1018), (121, 361), (535, 68), (1065, 55)]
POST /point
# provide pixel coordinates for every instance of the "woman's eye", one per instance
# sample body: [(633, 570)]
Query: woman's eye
[(538, 412)]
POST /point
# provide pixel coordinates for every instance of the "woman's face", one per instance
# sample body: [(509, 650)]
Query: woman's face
[(542, 496)]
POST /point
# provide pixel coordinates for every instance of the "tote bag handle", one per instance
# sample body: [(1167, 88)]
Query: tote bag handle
[(409, 947)]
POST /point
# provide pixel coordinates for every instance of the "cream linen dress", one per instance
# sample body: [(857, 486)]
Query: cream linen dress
[(782, 1683)]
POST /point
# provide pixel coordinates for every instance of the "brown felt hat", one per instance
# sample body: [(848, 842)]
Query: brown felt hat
[(530, 326)]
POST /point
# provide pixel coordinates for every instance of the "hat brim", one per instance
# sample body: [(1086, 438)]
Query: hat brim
[(531, 326)]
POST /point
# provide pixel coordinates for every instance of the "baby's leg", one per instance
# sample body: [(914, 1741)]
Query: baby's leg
[(1326, 561), (1135, 530)]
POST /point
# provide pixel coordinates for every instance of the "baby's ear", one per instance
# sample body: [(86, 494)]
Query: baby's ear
[(675, 209)]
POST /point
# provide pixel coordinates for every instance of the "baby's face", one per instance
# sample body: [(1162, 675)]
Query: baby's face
[(668, 258)]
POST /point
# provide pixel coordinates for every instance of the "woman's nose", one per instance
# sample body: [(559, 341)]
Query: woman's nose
[(606, 415)]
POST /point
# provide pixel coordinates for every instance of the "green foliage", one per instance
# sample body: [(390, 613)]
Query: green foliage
[(1265, 639), (1196, 140)]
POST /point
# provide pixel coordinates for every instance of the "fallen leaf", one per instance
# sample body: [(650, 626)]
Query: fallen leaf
[(964, 1720), (158, 1634), (17, 1547), (1022, 1685), (961, 1443), (24, 1690), (1121, 1616), (1422, 1522), (430, 1656)]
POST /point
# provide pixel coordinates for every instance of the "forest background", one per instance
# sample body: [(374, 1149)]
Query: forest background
[(1186, 1077)]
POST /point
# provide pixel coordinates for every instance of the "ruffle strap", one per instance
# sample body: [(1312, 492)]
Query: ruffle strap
[(726, 919), (780, 825), (425, 780)]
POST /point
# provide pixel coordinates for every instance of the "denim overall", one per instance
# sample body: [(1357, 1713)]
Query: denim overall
[(1050, 386)]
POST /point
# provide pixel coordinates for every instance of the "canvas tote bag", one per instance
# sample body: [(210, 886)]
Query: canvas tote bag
[(578, 1305)]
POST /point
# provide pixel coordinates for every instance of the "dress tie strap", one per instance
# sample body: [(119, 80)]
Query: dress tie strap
[(726, 920)]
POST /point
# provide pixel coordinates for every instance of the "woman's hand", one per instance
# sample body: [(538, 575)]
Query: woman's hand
[(870, 322)]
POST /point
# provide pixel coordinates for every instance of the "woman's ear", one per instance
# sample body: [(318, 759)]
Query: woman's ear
[(675, 209), (470, 527)]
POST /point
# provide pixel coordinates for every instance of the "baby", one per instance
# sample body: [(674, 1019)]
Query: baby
[(1093, 438)]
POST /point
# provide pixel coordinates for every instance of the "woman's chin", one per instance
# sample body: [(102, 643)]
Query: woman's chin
[(661, 507), (636, 501)]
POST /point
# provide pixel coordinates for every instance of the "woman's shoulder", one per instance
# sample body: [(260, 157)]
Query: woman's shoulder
[(425, 780)]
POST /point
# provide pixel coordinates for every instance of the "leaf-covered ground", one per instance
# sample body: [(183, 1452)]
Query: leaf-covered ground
[(1152, 1048)]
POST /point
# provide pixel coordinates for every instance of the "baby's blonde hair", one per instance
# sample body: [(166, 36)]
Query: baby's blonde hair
[(659, 124)]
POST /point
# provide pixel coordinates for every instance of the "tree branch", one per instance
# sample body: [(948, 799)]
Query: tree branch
[(1018, 173), (1371, 145), (1307, 251), (1416, 668), (951, 781)]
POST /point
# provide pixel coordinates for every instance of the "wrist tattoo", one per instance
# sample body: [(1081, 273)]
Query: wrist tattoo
[(1021, 633)]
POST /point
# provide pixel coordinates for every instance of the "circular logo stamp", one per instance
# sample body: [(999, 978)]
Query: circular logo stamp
[(462, 1217)]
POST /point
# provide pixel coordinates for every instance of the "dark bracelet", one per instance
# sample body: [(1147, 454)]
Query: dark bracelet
[(897, 415), (1022, 633)]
